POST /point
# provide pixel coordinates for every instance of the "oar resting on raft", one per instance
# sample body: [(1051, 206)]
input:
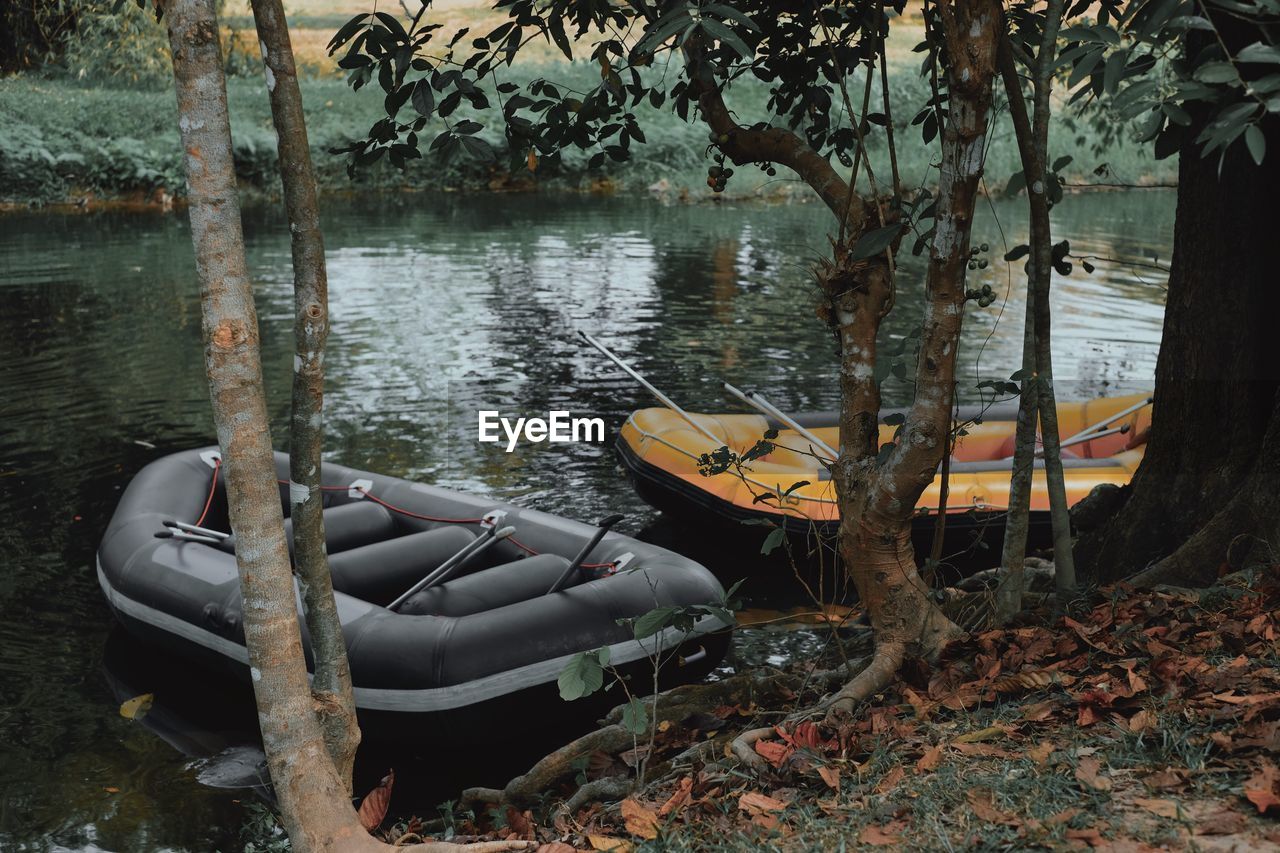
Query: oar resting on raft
[(754, 400), (662, 398), (757, 401), (1098, 430), (451, 565)]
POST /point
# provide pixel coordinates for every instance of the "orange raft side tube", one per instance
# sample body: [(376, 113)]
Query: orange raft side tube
[(662, 446)]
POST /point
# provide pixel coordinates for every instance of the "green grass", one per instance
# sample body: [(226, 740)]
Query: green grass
[(62, 139)]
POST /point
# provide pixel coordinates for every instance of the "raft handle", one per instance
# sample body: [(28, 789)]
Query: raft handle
[(693, 658), (186, 537), (199, 531)]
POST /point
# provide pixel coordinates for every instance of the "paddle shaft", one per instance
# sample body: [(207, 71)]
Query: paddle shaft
[(1100, 424), (759, 403), (648, 386), (605, 524), (472, 548)]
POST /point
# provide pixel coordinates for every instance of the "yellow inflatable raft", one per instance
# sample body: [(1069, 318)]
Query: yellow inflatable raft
[(661, 450)]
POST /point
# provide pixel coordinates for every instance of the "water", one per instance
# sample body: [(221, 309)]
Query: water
[(439, 305)]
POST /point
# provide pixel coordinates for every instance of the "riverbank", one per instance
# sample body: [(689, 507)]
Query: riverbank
[(1147, 724), (63, 142)]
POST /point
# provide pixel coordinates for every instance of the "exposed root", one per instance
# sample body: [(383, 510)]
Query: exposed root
[(525, 790), (878, 674), (599, 790), (744, 747)]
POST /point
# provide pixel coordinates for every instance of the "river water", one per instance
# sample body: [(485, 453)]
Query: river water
[(440, 306)]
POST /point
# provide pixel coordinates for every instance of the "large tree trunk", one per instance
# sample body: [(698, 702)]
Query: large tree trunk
[(1202, 497), (313, 799), (335, 701)]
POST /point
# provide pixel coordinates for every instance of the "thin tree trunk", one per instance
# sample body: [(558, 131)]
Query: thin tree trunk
[(1033, 146), (335, 701), (313, 800), (1042, 278), (1017, 523)]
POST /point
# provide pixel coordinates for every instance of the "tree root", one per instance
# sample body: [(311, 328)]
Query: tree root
[(744, 747), (610, 788), (877, 675), (525, 790)]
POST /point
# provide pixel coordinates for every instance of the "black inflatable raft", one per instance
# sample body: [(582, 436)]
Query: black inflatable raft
[(455, 654)]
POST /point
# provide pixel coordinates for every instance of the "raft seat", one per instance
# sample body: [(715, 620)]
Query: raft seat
[(351, 525), (497, 586), (380, 571)]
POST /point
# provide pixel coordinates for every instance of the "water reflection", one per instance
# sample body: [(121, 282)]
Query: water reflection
[(438, 304)]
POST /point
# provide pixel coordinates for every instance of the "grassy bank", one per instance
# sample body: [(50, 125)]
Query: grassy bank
[(62, 139)]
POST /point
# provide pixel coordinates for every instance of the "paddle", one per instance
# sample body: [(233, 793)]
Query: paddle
[(758, 402), (457, 561), (662, 398), (605, 524)]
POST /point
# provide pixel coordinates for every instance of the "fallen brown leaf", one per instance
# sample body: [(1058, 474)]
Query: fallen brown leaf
[(609, 844), (989, 733), (556, 847), (373, 808), (679, 799), (754, 802), (1087, 774), (1088, 835), (1142, 721), (891, 779), (982, 801), (1260, 788), (930, 760), (830, 775), (1163, 808), (1040, 752), (639, 820), (1039, 711), (886, 836), (521, 823), (773, 751), (1164, 780)]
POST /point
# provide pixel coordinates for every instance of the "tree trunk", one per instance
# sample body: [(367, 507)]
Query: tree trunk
[(331, 687), (1202, 483), (878, 497), (313, 801), (1033, 148)]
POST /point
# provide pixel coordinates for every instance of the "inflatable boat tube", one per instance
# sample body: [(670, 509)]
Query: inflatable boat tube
[(454, 655), (660, 451)]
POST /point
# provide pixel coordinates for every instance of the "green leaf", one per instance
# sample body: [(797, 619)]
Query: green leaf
[(1259, 52), (555, 25), (665, 27), (874, 242), (772, 541), (1217, 72), (730, 13), (582, 676), (1114, 70), (424, 99), (727, 37), (1062, 163), (653, 622), (635, 717), (1257, 143)]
